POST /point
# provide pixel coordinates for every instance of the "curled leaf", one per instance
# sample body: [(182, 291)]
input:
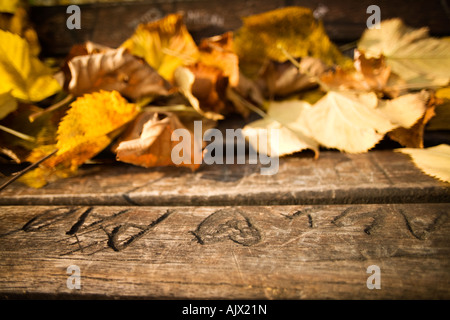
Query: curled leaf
[(369, 74), (204, 87), (279, 79), (115, 70), (148, 142)]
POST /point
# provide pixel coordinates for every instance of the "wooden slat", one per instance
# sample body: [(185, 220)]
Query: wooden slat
[(335, 178), (252, 252), (111, 24)]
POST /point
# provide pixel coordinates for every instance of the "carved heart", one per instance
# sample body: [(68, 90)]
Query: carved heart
[(226, 224)]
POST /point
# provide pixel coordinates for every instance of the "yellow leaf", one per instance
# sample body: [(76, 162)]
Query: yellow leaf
[(92, 117), (21, 72), (9, 6), (294, 29), (165, 44), (411, 53), (433, 161), (7, 104), (218, 52), (442, 119), (356, 122), (286, 117), (91, 124)]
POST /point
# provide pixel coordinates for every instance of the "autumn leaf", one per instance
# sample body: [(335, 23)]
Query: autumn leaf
[(218, 52), (433, 161), (442, 119), (204, 87), (280, 79), (22, 73), (369, 74), (286, 117), (17, 21), (91, 124), (356, 122), (7, 104), (40, 132), (118, 70), (148, 142), (293, 29), (165, 44), (412, 54), (412, 137)]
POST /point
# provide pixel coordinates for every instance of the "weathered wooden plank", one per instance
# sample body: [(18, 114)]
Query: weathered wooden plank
[(335, 178), (253, 252), (110, 24)]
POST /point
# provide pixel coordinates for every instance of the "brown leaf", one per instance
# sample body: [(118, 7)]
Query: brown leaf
[(369, 74), (204, 87), (218, 52), (280, 79), (115, 69), (147, 142), (413, 137)]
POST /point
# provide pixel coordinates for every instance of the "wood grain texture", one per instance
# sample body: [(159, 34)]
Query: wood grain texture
[(335, 178), (111, 24), (251, 252)]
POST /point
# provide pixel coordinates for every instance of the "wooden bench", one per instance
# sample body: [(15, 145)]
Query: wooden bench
[(312, 231)]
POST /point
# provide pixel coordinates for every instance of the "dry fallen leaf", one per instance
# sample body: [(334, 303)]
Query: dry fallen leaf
[(14, 18), (287, 117), (268, 35), (442, 119), (165, 44), (204, 87), (280, 79), (412, 137), (356, 122), (7, 104), (22, 73), (433, 161), (91, 124), (412, 54), (118, 70), (369, 74), (148, 142)]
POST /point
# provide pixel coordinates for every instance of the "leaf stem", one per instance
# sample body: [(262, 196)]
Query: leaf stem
[(52, 108), (17, 175), (18, 134)]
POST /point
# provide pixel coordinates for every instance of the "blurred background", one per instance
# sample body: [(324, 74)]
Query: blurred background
[(110, 22)]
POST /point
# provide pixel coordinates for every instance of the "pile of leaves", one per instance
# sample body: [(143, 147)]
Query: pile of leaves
[(279, 64)]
